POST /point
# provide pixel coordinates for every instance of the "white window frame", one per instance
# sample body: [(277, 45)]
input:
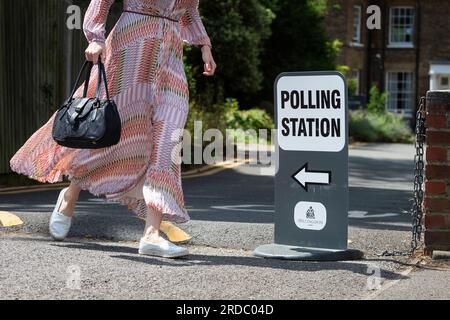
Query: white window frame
[(407, 113), (358, 40), (402, 44)]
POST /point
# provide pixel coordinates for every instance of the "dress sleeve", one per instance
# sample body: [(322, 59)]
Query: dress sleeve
[(193, 31), (95, 20)]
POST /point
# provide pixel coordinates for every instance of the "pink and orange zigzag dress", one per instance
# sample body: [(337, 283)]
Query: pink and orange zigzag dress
[(146, 79)]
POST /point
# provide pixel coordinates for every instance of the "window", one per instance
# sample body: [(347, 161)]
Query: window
[(445, 81), (401, 29), (356, 25), (400, 89)]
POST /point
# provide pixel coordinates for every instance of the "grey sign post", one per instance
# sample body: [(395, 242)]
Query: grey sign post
[(311, 182)]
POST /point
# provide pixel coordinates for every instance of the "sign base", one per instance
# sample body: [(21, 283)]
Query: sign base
[(279, 251)]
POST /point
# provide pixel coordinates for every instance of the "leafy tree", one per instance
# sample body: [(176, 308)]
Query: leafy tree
[(298, 41), (237, 29)]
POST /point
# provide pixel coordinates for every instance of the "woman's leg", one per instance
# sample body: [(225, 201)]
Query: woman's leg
[(70, 200), (152, 226)]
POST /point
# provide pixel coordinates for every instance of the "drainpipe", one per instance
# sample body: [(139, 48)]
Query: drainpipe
[(68, 52), (418, 31), (368, 63), (368, 60), (384, 25)]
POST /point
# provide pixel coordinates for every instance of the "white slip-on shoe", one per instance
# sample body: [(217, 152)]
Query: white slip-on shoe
[(59, 223), (165, 249)]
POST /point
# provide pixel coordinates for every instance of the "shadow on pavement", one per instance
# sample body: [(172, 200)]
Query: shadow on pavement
[(213, 260)]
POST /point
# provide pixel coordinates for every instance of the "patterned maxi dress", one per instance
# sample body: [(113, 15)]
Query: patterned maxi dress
[(146, 79)]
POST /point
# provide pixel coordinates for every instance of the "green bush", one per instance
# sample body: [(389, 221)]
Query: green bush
[(377, 102), (375, 124), (212, 118), (254, 118), (228, 116), (379, 127), (352, 83)]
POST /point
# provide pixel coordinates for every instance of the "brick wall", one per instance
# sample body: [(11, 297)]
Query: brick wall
[(431, 41), (339, 25), (437, 172)]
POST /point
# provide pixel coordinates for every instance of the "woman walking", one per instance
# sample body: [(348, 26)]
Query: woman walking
[(143, 57)]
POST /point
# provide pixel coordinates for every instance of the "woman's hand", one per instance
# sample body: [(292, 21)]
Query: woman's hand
[(95, 50), (210, 66)]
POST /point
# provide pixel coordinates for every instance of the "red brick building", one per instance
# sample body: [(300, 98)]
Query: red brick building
[(409, 55)]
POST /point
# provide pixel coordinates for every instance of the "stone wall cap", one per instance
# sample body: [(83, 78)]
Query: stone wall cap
[(438, 91), (444, 62)]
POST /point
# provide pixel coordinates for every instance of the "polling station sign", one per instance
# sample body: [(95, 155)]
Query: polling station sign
[(311, 113), (311, 181)]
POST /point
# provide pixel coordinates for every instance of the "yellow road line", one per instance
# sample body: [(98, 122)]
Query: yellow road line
[(216, 169), (7, 219), (34, 188), (207, 167), (357, 144), (194, 173), (206, 171)]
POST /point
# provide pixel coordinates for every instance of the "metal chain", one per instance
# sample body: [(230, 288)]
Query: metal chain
[(416, 210)]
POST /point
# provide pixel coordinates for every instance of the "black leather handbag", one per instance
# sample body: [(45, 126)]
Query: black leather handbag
[(88, 123)]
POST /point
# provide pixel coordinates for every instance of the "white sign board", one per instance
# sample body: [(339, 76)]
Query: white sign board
[(311, 113)]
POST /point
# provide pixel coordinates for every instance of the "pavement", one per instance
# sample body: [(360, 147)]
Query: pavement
[(232, 213)]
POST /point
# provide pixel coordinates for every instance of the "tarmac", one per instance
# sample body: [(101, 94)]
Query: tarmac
[(232, 213)]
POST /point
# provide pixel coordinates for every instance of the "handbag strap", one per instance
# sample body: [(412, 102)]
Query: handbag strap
[(101, 74), (87, 79), (89, 65)]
